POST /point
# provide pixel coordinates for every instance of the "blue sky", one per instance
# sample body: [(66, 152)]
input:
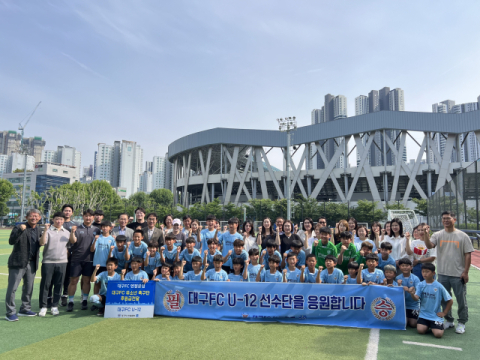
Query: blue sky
[(153, 71)]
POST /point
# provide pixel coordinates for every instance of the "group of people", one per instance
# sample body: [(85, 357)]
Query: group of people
[(428, 267)]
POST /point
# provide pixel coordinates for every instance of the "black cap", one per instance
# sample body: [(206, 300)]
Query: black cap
[(99, 212)]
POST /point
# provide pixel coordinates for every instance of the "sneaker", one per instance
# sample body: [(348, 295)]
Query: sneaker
[(93, 308), (27, 313), (101, 312), (64, 301), (42, 312), (84, 305), (460, 328), (12, 317), (448, 325), (49, 302), (55, 311), (70, 306)]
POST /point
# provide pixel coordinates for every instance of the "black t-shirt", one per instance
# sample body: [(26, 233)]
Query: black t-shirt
[(136, 224), (265, 238), (97, 225), (81, 249), (67, 225), (286, 242)]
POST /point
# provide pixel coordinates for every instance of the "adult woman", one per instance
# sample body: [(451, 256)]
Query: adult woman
[(307, 233), (249, 236), (385, 231), (285, 240), (419, 251), (352, 226), (342, 226), (265, 232), (375, 231), (397, 239), (168, 222), (195, 233)]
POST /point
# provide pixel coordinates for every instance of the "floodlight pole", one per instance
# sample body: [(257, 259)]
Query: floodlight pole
[(287, 126)]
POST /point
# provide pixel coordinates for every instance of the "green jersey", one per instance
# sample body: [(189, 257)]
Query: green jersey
[(321, 252), (360, 259), (350, 253)]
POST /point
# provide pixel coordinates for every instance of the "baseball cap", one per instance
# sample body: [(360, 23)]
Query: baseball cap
[(176, 222)]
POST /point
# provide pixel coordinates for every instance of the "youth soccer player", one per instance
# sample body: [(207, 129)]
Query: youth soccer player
[(346, 251), (408, 281), (351, 278), (331, 275), (292, 273), (295, 248), (209, 233), (196, 273), (371, 275), (151, 259), (138, 247), (120, 252), (189, 253), (240, 272), (102, 279), (253, 266), (324, 248), (210, 253), (385, 258), (171, 253), (101, 248), (178, 270), (390, 272), (431, 293), (363, 253), (270, 275), (137, 273), (311, 274), (165, 273), (217, 273), (237, 253), (226, 241), (266, 254)]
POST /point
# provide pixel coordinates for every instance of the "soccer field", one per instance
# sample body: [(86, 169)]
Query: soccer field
[(81, 334)]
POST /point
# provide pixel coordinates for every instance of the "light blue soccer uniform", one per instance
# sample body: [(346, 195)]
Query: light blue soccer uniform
[(300, 258), (138, 250), (431, 296), (191, 276), (336, 277), (170, 256), (206, 235), (120, 256), (176, 278), (382, 263), (226, 240), (185, 255), (243, 255), (377, 276), (140, 276), (103, 280), (253, 271), (153, 262), (310, 278), (266, 257), (233, 277), (411, 281), (102, 249), (266, 276), (351, 281), (293, 276), (210, 259), (212, 275)]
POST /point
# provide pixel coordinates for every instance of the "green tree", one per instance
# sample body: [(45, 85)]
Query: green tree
[(259, 209), (307, 207), (231, 210), (367, 212), (6, 191), (334, 212), (140, 199), (422, 206), (280, 208), (162, 197)]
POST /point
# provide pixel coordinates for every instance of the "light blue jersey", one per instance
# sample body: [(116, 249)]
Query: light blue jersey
[(103, 280), (243, 255), (382, 263), (253, 271), (358, 244), (233, 277), (185, 255), (120, 256), (431, 296), (293, 276), (138, 250), (226, 240), (210, 258), (191, 276), (310, 278), (266, 257), (212, 275), (102, 249), (266, 276), (153, 262), (176, 278), (140, 276), (411, 281), (336, 277), (206, 235), (161, 278), (300, 258), (377, 276), (170, 256), (351, 281)]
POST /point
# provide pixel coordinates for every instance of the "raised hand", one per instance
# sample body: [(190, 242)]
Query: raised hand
[(128, 243), (260, 229), (285, 255), (284, 271), (262, 267), (343, 248), (264, 252), (407, 235), (23, 227), (112, 247), (162, 249), (361, 266), (385, 281), (362, 252), (74, 228), (200, 227), (247, 262), (138, 227), (229, 252), (47, 226), (354, 232), (179, 248), (205, 253), (148, 252), (345, 278), (399, 282), (154, 273), (97, 267), (320, 268), (206, 266), (315, 243), (383, 231), (302, 269), (161, 226), (124, 271), (245, 234), (184, 262), (377, 230), (411, 290)]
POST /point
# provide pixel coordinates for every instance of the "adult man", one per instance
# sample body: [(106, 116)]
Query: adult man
[(54, 263), (23, 264), (98, 216), (122, 228), (181, 238), (67, 210), (454, 249), (81, 238), (152, 233), (322, 221), (140, 215)]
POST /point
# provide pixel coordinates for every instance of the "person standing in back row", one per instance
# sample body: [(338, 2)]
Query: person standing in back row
[(140, 223), (454, 256)]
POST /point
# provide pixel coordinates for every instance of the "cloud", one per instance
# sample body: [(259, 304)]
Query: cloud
[(84, 67)]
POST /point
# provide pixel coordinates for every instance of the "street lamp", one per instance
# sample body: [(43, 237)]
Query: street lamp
[(287, 125)]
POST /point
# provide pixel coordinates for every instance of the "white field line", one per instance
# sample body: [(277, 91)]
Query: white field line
[(476, 267), (372, 347), (432, 345), (37, 277)]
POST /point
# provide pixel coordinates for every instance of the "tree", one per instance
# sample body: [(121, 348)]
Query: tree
[(307, 207), (367, 212), (422, 206), (259, 209), (140, 199), (6, 191), (162, 197)]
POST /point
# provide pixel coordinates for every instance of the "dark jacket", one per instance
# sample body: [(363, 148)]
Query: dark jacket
[(20, 239)]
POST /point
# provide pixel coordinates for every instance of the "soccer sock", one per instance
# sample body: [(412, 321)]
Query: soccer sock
[(84, 296), (70, 299)]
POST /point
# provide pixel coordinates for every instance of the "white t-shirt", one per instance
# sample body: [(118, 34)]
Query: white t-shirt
[(310, 242), (250, 243), (302, 234), (398, 246), (420, 250)]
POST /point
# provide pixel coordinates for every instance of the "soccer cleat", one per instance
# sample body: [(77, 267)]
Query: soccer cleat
[(460, 328), (27, 313), (42, 312), (64, 301), (448, 325), (101, 312), (12, 317), (70, 306), (84, 305), (55, 311)]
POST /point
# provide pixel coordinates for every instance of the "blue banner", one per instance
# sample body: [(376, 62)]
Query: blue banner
[(130, 299), (359, 306)]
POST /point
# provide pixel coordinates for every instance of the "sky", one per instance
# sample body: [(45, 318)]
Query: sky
[(154, 71)]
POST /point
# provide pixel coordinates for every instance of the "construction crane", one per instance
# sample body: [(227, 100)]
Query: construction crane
[(24, 150)]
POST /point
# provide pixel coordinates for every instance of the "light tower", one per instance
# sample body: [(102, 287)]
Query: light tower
[(287, 125)]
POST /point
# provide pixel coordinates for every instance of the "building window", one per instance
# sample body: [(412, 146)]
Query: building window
[(54, 170)]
